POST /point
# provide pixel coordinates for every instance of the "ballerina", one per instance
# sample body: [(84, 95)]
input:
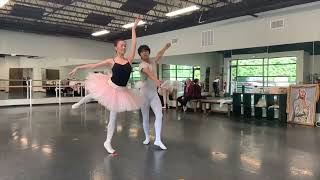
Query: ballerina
[(167, 88), (110, 90)]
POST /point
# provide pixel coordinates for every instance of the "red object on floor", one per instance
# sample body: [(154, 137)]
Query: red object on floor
[(114, 154)]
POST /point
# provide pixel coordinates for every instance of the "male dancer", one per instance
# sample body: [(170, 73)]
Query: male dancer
[(148, 71)]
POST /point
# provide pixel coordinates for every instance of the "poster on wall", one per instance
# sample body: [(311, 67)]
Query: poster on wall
[(302, 101)]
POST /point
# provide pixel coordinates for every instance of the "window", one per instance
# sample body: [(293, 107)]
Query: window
[(196, 72), (180, 72), (264, 72), (135, 75)]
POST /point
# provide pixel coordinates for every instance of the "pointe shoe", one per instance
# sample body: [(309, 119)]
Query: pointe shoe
[(146, 141), (75, 106), (108, 147), (160, 144)]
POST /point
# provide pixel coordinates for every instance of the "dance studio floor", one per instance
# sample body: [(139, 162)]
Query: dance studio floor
[(57, 143)]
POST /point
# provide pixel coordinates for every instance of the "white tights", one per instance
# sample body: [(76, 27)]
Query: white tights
[(86, 99), (110, 131), (152, 100), (111, 123)]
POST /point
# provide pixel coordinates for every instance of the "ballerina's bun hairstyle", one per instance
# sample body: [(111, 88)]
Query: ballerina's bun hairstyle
[(115, 43)]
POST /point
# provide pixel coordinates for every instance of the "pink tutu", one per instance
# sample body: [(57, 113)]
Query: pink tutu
[(113, 97)]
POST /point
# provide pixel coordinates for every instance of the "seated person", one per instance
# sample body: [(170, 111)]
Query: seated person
[(196, 90), (187, 94)]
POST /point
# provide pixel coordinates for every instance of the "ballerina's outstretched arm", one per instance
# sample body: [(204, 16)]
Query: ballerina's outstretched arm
[(133, 40), (107, 62)]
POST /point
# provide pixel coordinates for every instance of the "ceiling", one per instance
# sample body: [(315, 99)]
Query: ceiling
[(79, 18)]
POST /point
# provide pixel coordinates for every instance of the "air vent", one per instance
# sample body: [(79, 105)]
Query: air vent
[(63, 2), (277, 24), (138, 6), (207, 38), (27, 11), (98, 19)]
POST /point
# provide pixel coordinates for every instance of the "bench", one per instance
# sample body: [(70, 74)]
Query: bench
[(215, 101), (194, 104)]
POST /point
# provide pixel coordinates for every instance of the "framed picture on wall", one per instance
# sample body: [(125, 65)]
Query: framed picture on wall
[(301, 102)]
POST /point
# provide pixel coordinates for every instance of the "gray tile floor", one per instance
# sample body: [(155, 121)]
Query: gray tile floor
[(63, 144)]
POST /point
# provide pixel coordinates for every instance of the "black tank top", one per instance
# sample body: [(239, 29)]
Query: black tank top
[(121, 73)]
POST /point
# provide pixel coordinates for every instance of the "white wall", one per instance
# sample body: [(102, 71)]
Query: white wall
[(54, 53), (52, 46), (244, 32), (64, 65), (80, 75), (201, 59), (54, 62)]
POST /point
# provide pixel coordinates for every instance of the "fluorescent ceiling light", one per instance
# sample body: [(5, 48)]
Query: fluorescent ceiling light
[(3, 2), (130, 25), (182, 11), (100, 33)]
